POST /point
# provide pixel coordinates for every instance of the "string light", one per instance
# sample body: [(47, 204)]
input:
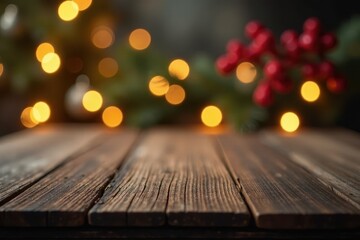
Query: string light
[(83, 4), (175, 95), (41, 112), (108, 67), (289, 122), (43, 49), (68, 10), (139, 39), (51, 62), (310, 91), (26, 118), (211, 116), (179, 68), (158, 85), (246, 72), (102, 37), (92, 101), (112, 116)]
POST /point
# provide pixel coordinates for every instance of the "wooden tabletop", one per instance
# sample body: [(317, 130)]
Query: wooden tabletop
[(89, 177)]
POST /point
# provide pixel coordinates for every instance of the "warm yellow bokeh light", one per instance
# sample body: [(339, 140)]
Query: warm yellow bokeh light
[(68, 10), (27, 119), (108, 67), (112, 116), (1, 69), (175, 95), (310, 91), (102, 37), (83, 4), (179, 68), (211, 116), (289, 122), (139, 39), (158, 85), (40, 112), (246, 72), (92, 101), (43, 49), (50, 62)]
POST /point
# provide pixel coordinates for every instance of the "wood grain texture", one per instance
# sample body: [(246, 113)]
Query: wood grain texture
[(174, 173), (28, 155), (63, 197), (334, 163), (281, 194)]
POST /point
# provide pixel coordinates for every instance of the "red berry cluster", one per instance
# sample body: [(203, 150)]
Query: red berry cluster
[(294, 51)]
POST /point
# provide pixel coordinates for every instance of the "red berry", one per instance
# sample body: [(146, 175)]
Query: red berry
[(309, 70), (235, 46), (312, 25), (293, 50), (328, 41), (273, 69), (308, 42), (336, 84), (281, 85), (263, 95), (287, 37), (264, 40), (326, 69), (223, 66), (253, 28)]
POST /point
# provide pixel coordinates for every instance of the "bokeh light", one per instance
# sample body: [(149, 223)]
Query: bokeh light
[(139, 39), (43, 49), (112, 116), (92, 101), (289, 122), (179, 68), (41, 112), (175, 95), (108, 67), (83, 4), (51, 62), (102, 37), (68, 10), (1, 69), (246, 72), (310, 91), (211, 116), (158, 85), (26, 118)]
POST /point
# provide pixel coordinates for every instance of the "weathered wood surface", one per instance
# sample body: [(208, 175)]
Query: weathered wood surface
[(174, 175), (280, 193), (81, 175), (63, 197), (28, 155), (325, 155)]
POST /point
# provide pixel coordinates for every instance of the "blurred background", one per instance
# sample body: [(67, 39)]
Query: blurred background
[(150, 62)]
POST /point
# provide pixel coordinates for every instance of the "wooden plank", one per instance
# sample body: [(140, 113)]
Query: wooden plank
[(171, 172), (28, 155), (281, 194), (334, 163), (63, 197)]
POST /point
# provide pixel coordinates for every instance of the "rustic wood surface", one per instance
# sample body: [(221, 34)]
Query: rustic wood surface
[(280, 193), (332, 161), (28, 155), (171, 178), (174, 173), (63, 197)]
